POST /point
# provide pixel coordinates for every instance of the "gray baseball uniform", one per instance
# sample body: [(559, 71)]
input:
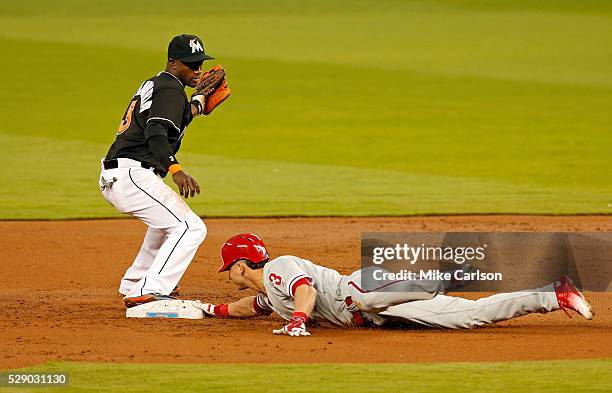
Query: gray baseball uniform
[(411, 300)]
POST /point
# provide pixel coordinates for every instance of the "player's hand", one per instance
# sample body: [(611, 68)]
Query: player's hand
[(187, 185), (296, 326), (207, 308), (198, 103), (213, 310)]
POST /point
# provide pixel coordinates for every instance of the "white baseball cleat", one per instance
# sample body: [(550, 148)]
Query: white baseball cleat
[(570, 297)]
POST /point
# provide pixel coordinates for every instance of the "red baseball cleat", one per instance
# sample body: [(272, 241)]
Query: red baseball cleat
[(570, 297)]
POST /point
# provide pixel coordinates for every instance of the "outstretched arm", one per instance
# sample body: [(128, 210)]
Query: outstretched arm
[(243, 308)]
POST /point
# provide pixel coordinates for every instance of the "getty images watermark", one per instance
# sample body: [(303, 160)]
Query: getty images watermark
[(487, 261), (422, 253)]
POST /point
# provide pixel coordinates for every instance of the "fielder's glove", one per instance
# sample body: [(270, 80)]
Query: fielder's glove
[(296, 326), (211, 90), (217, 97)]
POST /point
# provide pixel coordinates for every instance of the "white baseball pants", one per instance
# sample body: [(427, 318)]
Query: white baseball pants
[(174, 234), (458, 313), (423, 302), (374, 296)]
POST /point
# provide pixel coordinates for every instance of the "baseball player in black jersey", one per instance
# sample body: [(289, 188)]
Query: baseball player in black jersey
[(148, 138)]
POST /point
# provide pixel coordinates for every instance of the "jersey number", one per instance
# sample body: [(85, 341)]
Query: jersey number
[(276, 280), (127, 120)]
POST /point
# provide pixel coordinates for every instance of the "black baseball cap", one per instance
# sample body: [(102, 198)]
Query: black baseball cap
[(187, 48)]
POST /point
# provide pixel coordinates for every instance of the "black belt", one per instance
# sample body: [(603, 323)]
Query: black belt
[(114, 164)]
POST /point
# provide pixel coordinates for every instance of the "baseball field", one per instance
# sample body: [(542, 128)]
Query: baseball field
[(345, 117)]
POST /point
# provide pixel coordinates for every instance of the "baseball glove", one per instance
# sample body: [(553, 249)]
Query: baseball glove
[(209, 81), (217, 97)]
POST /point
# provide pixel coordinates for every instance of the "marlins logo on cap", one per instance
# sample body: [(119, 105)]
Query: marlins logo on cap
[(187, 48), (196, 45)]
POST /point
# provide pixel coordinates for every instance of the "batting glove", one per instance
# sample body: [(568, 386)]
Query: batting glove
[(296, 326), (212, 310)]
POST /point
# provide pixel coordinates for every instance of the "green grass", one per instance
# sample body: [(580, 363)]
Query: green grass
[(338, 108), (245, 187), (521, 377)]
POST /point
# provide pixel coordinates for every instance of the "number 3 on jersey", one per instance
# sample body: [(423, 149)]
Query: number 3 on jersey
[(127, 119), (275, 279)]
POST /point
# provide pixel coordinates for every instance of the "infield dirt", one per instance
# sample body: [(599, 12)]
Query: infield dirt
[(60, 300)]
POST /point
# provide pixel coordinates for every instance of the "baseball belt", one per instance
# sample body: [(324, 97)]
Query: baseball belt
[(114, 164)]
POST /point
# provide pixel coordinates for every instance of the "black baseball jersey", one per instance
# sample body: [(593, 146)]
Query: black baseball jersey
[(160, 99)]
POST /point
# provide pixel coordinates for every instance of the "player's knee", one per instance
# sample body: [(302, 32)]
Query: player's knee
[(373, 308), (198, 229), (366, 304)]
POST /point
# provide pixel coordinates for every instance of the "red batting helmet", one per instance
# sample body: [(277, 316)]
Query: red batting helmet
[(244, 246)]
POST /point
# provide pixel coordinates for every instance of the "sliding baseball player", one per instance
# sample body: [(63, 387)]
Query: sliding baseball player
[(301, 291)]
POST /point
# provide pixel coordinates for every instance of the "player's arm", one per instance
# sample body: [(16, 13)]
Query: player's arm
[(304, 298), (160, 147), (166, 111), (244, 308)]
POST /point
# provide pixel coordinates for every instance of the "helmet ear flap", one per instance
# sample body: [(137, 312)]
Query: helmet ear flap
[(245, 246)]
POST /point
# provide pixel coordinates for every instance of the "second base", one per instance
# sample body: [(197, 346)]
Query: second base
[(183, 309)]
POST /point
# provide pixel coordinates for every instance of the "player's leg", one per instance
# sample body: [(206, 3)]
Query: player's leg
[(173, 257), (459, 313), (148, 198), (151, 244), (372, 295)]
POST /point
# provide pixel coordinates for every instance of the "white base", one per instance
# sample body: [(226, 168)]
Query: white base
[(184, 309)]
